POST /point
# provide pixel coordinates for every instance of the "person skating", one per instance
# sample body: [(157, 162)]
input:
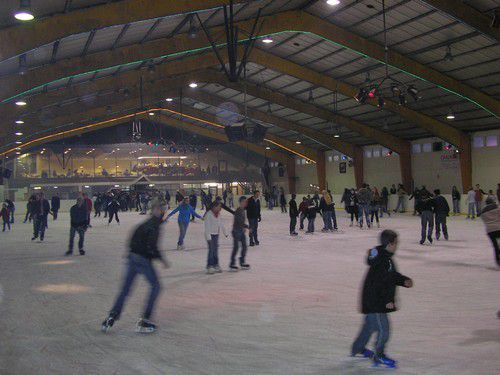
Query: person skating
[(303, 212), (471, 204), (213, 227), (55, 204), (384, 208), (312, 211), (41, 210), (282, 200), (5, 214), (88, 204), (455, 197), (79, 222), (112, 209), (12, 208), (379, 299), (29, 209), (185, 211), (143, 250), (426, 208), (238, 232), (350, 200), (375, 206), (193, 201), (401, 199), (441, 212), (491, 219), (253, 215), (416, 200), (479, 199), (294, 213), (327, 206), (364, 198)]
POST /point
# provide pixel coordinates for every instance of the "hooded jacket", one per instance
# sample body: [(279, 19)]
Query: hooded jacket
[(379, 288)]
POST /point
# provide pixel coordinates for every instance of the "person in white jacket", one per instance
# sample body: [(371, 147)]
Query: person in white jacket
[(213, 227)]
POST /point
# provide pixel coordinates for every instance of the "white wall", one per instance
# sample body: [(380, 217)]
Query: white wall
[(382, 171), (486, 163), (335, 180)]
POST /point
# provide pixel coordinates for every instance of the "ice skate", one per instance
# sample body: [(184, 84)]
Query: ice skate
[(210, 271), (384, 362), (245, 266), (365, 353), (218, 269), (108, 323), (430, 239), (145, 326), (69, 252), (233, 268), (82, 252)]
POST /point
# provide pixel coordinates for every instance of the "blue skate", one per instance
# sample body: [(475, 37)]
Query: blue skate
[(384, 362)]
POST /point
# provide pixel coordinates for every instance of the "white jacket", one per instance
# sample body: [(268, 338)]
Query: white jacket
[(213, 225)]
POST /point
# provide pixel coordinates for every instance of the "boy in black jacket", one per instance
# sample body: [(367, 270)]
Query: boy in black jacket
[(143, 249), (294, 213), (378, 299), (441, 212)]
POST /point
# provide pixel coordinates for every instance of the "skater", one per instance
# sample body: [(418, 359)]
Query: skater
[(12, 208), (112, 209), (471, 204), (282, 200), (88, 204), (441, 212), (5, 214), (238, 232), (230, 198), (79, 222), (491, 219), (375, 206), (41, 210), (294, 213), (364, 198), (143, 250), (213, 227), (351, 205), (312, 211), (479, 199), (416, 200), (29, 208), (426, 209), (185, 211), (193, 201), (254, 218), (167, 198), (455, 197), (326, 206), (384, 203), (55, 204), (303, 212), (98, 205), (401, 199), (379, 299)]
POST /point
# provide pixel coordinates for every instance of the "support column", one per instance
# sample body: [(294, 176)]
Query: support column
[(358, 166), (466, 162), (321, 170), (406, 168), (290, 172)]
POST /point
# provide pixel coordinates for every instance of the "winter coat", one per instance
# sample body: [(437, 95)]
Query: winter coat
[(364, 196), (78, 216), (253, 208), (213, 225), (441, 206), (455, 195), (379, 288), (294, 212), (144, 241), (491, 218), (55, 202), (5, 214)]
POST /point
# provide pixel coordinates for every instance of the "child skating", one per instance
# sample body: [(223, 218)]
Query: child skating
[(379, 299)]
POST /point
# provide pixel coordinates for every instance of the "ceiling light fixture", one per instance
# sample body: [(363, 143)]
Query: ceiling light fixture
[(298, 142), (193, 85), (333, 2), (24, 12), (169, 99), (21, 103), (450, 115), (267, 40), (151, 113), (193, 30), (18, 133), (18, 142), (19, 122)]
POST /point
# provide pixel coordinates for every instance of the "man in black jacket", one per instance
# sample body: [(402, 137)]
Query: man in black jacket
[(78, 214), (379, 299), (238, 232), (426, 209), (143, 249), (55, 204), (294, 213), (441, 211), (253, 215), (40, 212)]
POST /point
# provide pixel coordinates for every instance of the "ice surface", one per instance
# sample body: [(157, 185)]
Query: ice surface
[(295, 312)]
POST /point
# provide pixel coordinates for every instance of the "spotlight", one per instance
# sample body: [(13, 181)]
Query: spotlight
[(336, 135), (402, 99), (381, 102), (169, 99), (412, 90), (361, 96), (193, 85), (18, 133), (193, 30), (19, 122), (24, 12), (450, 115), (333, 2), (267, 40), (21, 103)]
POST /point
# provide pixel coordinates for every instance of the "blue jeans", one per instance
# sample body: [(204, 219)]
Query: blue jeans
[(456, 206), (472, 210), (138, 265), (373, 323), (183, 227), (81, 237), (254, 225), (310, 225), (239, 237), (213, 251), (327, 220), (364, 209), (401, 204)]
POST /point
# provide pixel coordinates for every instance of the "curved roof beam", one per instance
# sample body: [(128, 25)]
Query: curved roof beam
[(291, 21)]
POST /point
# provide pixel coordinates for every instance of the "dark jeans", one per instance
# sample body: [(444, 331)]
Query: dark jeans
[(81, 237), (374, 213), (39, 225), (55, 213), (213, 251), (441, 225), (302, 218), (12, 216), (373, 323), (293, 224), (283, 208), (6, 224), (183, 227), (111, 214), (327, 220), (364, 209), (239, 237), (254, 225), (354, 213), (27, 216), (495, 237), (138, 265), (427, 220), (310, 225)]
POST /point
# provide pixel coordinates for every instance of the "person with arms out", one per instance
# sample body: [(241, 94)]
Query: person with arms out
[(143, 250), (112, 209), (491, 219), (294, 213), (185, 211), (253, 215), (379, 299), (441, 212), (238, 232), (79, 222), (213, 227)]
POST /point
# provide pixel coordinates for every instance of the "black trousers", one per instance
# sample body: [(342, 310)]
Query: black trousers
[(254, 225), (440, 221), (55, 214), (115, 214), (302, 218), (495, 237), (293, 224)]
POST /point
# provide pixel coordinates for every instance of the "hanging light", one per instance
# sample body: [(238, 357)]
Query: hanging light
[(21, 103), (19, 122), (169, 99), (333, 2), (412, 90), (267, 40), (24, 12), (450, 115), (18, 133), (193, 30), (361, 96), (298, 142), (193, 85)]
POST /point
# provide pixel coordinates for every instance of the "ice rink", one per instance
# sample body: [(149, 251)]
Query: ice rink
[(294, 312)]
